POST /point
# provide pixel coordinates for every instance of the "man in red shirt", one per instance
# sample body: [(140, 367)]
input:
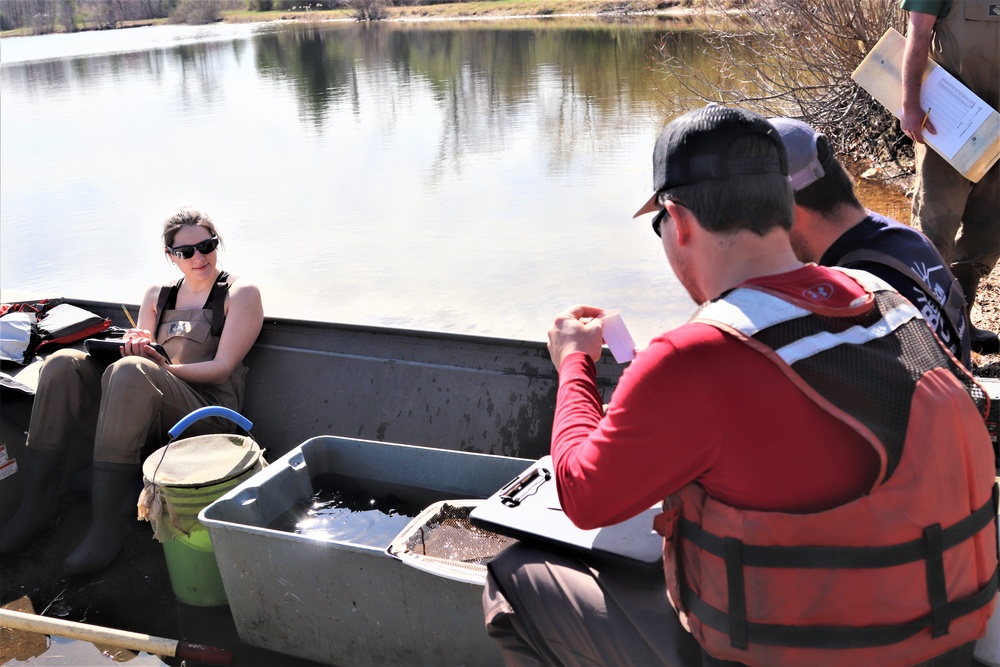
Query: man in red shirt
[(786, 395)]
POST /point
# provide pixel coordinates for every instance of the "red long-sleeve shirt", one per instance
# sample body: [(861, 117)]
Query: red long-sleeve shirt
[(699, 405)]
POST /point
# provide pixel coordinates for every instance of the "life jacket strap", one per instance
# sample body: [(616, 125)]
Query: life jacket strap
[(937, 590), (826, 636), (737, 595), (930, 548), (829, 557)]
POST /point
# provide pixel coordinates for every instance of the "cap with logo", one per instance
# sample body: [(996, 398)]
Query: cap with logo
[(696, 147)]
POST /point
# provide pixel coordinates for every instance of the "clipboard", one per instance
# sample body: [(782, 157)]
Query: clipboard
[(528, 509), (968, 129), (107, 350)]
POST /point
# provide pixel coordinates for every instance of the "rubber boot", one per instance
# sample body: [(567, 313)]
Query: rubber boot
[(982, 341), (39, 498), (113, 513)]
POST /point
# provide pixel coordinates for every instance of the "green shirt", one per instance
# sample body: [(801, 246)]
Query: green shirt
[(938, 8)]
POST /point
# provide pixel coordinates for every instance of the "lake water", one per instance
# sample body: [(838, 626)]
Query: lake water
[(472, 177)]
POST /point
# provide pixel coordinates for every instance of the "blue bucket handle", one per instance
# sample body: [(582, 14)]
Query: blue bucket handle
[(210, 411)]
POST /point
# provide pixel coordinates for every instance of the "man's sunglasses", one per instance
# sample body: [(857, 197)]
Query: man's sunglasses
[(657, 219), (187, 251)]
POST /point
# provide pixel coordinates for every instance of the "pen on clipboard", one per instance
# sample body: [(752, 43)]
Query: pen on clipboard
[(130, 320), (924, 121)]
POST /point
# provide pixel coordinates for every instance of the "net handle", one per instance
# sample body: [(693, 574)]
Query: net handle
[(206, 412)]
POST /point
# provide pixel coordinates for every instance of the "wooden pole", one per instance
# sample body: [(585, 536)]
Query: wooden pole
[(135, 641)]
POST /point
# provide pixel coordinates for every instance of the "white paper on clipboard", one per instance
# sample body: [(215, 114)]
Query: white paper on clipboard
[(954, 111), (968, 130)]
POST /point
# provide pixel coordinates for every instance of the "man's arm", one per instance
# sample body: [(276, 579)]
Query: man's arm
[(918, 41), (660, 433)]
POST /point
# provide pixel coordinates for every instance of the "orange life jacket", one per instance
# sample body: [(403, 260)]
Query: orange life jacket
[(898, 576)]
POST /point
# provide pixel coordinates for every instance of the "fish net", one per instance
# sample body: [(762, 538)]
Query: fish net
[(443, 540)]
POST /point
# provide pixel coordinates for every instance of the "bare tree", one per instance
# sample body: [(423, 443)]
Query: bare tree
[(71, 15), (66, 14), (195, 12), (792, 58), (368, 10)]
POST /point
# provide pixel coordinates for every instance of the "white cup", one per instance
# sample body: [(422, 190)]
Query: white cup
[(617, 337)]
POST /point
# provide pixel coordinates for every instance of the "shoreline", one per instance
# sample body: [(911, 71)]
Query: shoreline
[(473, 10)]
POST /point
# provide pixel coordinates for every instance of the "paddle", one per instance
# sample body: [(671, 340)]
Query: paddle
[(131, 640)]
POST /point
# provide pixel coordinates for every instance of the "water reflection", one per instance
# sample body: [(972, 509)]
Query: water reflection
[(469, 177)]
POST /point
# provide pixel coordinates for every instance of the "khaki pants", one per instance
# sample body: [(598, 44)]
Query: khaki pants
[(124, 410), (946, 205), (546, 608)]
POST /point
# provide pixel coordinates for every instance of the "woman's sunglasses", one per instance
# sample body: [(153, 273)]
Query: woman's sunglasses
[(187, 251)]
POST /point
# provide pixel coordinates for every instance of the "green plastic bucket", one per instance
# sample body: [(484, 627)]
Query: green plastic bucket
[(183, 478), (194, 572)]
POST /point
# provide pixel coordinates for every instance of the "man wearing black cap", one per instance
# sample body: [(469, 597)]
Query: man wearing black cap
[(832, 228), (818, 450)]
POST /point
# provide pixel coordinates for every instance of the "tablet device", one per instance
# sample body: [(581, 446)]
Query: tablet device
[(108, 350), (528, 508)]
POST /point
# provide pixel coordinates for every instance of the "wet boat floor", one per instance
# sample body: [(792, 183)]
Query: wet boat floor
[(134, 594)]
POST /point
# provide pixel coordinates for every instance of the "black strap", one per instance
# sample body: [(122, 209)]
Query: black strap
[(951, 307), (168, 295), (825, 557), (937, 591), (737, 595), (833, 637), (218, 299)]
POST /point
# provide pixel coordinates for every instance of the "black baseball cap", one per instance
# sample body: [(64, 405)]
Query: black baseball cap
[(695, 147)]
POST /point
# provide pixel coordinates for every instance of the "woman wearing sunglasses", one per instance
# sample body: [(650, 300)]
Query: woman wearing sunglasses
[(206, 322)]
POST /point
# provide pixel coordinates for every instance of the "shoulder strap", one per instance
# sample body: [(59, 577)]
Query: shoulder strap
[(822, 355), (953, 303), (219, 290), (217, 296), (168, 293)]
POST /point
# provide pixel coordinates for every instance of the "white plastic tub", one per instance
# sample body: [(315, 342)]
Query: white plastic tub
[(342, 603)]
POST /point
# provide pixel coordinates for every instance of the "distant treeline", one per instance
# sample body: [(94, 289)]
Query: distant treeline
[(287, 5), (45, 16)]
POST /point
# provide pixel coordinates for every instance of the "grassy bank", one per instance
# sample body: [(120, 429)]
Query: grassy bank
[(450, 10), (475, 9), (84, 26)]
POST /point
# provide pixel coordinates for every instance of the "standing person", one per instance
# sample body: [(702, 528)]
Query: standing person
[(832, 228), (207, 323), (813, 440), (960, 217)]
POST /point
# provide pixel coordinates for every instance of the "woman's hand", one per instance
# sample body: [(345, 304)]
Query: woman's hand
[(244, 319), (138, 343), (137, 334), (134, 342)]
